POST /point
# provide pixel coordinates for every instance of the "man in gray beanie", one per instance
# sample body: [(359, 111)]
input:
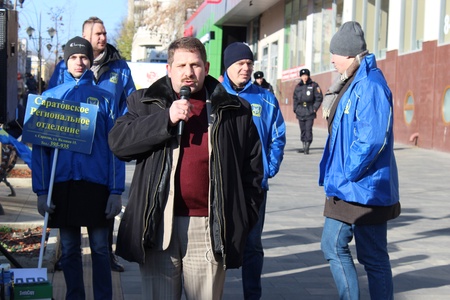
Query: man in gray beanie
[(358, 169), (349, 40), (238, 61)]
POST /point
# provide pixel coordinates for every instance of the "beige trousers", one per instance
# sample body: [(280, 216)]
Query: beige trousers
[(188, 262)]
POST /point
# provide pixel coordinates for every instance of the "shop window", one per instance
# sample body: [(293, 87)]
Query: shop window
[(295, 12), (446, 106), (327, 18), (444, 28), (373, 16), (413, 21)]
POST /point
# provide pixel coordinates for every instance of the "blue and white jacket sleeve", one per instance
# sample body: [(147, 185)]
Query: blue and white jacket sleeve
[(278, 140)]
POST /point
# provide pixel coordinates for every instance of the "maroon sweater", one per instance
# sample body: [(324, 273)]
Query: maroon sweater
[(192, 174)]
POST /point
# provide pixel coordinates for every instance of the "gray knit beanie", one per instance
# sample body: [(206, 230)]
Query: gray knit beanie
[(349, 40)]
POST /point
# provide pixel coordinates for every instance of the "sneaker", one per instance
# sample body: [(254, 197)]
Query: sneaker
[(115, 265)]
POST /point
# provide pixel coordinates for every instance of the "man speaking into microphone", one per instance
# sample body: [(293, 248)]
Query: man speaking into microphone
[(196, 188)]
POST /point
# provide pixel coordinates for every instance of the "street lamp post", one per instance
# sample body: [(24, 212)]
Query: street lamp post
[(21, 3), (51, 32)]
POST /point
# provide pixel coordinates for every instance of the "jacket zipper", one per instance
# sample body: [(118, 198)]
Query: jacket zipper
[(220, 217), (221, 220)]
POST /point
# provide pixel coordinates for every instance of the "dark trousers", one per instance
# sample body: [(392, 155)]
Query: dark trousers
[(306, 134), (252, 264)]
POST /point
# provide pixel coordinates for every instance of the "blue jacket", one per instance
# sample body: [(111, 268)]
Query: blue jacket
[(358, 163), (114, 76), (101, 166), (269, 122)]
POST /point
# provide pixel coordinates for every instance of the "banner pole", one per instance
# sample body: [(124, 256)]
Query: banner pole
[(49, 201)]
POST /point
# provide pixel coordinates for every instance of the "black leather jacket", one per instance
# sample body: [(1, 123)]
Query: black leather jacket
[(143, 134)]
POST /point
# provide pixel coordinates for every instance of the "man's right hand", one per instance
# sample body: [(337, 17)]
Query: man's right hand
[(179, 110), (43, 207)]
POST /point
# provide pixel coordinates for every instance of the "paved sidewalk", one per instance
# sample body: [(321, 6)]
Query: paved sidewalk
[(294, 266)]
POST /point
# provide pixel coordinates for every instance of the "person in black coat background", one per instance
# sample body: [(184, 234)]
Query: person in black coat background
[(261, 81), (307, 100)]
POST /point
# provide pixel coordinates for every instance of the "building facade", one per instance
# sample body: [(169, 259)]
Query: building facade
[(410, 39)]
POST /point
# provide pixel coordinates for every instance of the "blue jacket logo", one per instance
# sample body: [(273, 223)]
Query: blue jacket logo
[(92, 100), (114, 77), (256, 110)]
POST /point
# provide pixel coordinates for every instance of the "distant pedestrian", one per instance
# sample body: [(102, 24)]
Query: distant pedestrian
[(261, 81), (358, 169), (32, 84), (307, 100)]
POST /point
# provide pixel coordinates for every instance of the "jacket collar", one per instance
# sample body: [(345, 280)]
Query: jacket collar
[(111, 54), (87, 77), (367, 63), (162, 90), (229, 87), (309, 81)]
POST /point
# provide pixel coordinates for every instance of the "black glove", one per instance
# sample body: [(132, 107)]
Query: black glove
[(113, 206), (43, 207)]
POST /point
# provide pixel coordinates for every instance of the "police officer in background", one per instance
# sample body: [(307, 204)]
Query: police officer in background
[(259, 80), (307, 100)]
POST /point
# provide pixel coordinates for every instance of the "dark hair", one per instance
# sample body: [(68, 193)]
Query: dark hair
[(92, 20), (191, 44)]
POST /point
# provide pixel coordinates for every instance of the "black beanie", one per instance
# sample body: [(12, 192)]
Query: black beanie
[(235, 52), (78, 45), (349, 40)]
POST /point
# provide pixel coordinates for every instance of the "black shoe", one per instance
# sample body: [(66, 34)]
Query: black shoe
[(303, 149), (307, 144), (115, 265)]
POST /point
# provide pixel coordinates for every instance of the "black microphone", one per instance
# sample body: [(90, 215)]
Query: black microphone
[(185, 93)]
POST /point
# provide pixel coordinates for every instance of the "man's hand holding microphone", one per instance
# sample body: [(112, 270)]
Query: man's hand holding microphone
[(180, 110)]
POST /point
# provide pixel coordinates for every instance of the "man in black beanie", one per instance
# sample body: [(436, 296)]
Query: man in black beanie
[(358, 169), (238, 61), (111, 72), (78, 45), (87, 187)]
